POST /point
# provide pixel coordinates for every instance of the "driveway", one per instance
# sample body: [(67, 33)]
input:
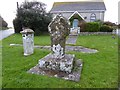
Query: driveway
[(6, 33)]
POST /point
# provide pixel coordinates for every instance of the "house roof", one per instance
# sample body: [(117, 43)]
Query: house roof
[(77, 6)]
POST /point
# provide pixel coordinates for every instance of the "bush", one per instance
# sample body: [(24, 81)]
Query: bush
[(82, 25), (3, 23), (32, 15), (118, 25), (109, 23), (92, 27), (17, 25), (100, 22), (106, 28)]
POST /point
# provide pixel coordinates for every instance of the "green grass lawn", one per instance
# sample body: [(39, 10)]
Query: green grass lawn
[(100, 70)]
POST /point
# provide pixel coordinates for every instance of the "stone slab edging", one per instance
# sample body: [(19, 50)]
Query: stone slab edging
[(72, 39), (96, 33), (68, 48), (73, 76)]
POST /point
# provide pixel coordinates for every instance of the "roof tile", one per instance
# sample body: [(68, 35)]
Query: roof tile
[(77, 6)]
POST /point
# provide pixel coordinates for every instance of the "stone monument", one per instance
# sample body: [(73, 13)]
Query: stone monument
[(28, 41), (57, 63), (59, 29)]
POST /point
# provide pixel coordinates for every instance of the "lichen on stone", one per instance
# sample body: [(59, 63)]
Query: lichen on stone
[(59, 29)]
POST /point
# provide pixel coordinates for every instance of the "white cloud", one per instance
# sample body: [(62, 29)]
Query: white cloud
[(111, 13)]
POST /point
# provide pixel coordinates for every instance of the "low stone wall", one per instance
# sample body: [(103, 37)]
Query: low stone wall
[(96, 33)]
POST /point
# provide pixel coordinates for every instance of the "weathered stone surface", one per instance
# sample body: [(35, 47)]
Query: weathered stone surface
[(27, 31), (96, 33), (73, 76), (67, 48), (28, 41), (59, 28), (50, 62), (72, 39), (57, 63)]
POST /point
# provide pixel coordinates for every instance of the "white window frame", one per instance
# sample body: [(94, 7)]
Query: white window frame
[(92, 17)]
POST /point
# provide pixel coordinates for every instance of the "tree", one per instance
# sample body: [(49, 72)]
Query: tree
[(118, 25), (32, 15), (3, 23)]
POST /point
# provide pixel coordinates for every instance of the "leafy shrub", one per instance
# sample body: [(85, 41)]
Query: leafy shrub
[(32, 15), (3, 23), (17, 25), (106, 28), (100, 22), (109, 23), (118, 25), (92, 27), (82, 25)]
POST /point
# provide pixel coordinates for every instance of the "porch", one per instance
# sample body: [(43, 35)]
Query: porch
[(75, 20)]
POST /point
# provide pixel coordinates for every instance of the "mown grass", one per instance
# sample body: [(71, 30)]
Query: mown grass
[(100, 70), (38, 40)]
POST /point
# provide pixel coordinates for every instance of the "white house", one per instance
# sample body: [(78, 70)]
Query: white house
[(76, 12)]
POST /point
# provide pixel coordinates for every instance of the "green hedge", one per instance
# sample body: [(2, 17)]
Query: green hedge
[(92, 27), (96, 27), (106, 28)]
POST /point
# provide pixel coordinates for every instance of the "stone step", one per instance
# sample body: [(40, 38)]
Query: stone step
[(65, 63), (73, 76)]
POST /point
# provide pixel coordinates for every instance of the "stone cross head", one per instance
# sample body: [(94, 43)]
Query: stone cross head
[(59, 29)]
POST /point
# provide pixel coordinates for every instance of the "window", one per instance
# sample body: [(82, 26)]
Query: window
[(92, 17)]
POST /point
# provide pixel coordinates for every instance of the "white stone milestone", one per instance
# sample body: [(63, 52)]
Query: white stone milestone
[(28, 41)]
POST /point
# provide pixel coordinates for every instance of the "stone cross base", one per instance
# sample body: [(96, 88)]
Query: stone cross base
[(73, 76), (65, 63)]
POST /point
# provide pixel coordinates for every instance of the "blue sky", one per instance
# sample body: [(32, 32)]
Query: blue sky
[(8, 10)]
